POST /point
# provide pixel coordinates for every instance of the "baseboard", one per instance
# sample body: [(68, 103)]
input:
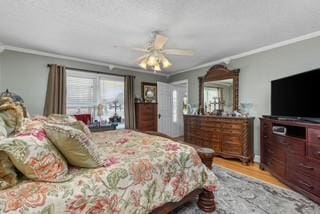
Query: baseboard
[(257, 159)]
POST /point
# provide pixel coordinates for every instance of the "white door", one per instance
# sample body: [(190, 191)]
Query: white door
[(170, 116), (164, 108)]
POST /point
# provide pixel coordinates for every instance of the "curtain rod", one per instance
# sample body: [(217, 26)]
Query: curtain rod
[(92, 71)]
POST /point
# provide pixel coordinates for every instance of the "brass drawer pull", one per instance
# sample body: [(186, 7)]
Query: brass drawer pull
[(306, 167), (306, 184)]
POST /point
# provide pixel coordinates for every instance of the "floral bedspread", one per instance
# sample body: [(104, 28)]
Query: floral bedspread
[(141, 172)]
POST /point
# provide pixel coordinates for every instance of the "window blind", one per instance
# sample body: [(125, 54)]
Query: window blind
[(81, 92)]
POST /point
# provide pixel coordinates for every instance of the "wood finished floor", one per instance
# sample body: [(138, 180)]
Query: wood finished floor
[(252, 170)]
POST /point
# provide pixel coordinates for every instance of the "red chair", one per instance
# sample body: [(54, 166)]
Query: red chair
[(86, 118)]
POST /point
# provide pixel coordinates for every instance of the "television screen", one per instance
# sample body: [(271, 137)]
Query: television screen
[(296, 96)]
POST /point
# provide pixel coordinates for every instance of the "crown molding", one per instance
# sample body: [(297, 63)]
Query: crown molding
[(227, 60), (93, 62)]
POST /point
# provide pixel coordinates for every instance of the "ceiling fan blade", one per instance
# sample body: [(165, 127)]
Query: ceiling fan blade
[(140, 49), (178, 52), (160, 41), (131, 48), (142, 57)]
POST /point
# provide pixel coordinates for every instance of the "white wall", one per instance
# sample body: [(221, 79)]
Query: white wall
[(27, 75), (256, 73)]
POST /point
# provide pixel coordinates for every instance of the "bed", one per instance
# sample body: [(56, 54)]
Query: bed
[(142, 173)]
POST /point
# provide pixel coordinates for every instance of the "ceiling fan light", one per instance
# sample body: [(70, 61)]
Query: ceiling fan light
[(166, 63), (143, 63), (157, 67), (152, 61)]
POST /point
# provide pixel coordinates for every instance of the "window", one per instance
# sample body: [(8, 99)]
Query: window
[(212, 97), (174, 106), (85, 91)]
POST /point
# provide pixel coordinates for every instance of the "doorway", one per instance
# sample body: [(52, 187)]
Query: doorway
[(170, 105)]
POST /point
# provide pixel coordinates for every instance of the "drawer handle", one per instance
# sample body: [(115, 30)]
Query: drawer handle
[(318, 153), (306, 167), (306, 184), (265, 136)]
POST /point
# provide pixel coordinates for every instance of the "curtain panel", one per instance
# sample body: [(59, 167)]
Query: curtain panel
[(129, 108), (56, 91)]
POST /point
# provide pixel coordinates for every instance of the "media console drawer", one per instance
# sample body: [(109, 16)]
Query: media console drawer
[(314, 151), (314, 136)]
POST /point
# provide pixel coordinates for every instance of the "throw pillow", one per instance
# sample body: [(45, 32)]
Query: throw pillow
[(75, 145), (35, 157)]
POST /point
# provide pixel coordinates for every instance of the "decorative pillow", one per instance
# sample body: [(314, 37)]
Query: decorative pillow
[(77, 125), (12, 116), (35, 157), (75, 145), (3, 130), (61, 118), (8, 176)]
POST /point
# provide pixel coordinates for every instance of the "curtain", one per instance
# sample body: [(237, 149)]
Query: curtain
[(56, 91), (129, 110)]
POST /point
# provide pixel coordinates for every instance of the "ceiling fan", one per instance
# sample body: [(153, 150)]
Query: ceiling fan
[(155, 57)]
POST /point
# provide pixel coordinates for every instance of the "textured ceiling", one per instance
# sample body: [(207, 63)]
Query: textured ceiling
[(214, 29)]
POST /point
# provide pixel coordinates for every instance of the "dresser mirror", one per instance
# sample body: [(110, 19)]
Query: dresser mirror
[(218, 91)]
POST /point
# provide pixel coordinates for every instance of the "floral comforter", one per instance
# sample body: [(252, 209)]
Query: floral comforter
[(141, 172)]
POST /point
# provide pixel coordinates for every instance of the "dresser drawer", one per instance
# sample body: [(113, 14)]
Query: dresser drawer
[(314, 136), (303, 166), (314, 151), (147, 124), (275, 153), (231, 139), (232, 131), (211, 124), (276, 167), (310, 184), (231, 148), (232, 126), (147, 117), (296, 147)]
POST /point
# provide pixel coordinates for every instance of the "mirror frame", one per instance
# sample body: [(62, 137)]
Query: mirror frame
[(220, 72)]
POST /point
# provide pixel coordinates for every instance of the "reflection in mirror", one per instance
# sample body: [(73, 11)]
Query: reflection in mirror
[(218, 96)]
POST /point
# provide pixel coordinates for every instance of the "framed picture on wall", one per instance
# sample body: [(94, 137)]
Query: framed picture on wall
[(149, 92)]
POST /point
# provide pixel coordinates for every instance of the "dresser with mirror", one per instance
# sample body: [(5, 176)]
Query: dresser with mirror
[(216, 127)]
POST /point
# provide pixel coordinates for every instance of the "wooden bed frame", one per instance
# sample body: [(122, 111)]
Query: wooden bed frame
[(206, 201)]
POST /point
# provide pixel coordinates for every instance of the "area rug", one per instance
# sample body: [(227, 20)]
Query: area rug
[(239, 194)]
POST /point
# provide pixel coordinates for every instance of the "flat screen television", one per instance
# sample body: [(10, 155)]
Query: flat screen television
[(297, 96)]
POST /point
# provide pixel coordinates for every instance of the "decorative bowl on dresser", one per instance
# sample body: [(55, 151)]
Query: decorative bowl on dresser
[(292, 156), (146, 116), (229, 137)]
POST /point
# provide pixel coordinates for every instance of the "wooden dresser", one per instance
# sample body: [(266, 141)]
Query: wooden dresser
[(294, 158), (229, 137), (146, 116)]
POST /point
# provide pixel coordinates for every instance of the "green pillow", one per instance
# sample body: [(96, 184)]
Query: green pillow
[(75, 145), (36, 158)]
